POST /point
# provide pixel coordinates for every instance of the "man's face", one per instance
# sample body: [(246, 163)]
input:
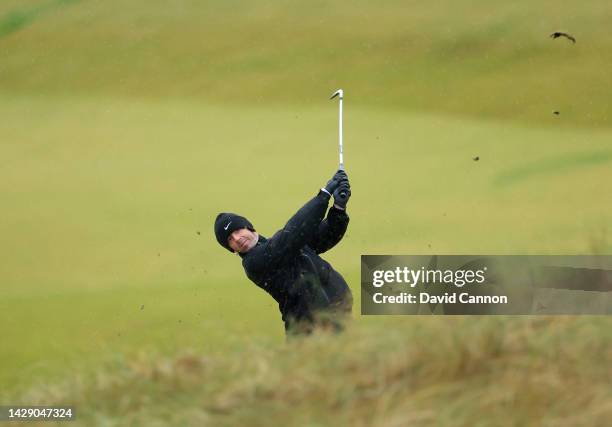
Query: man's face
[(242, 240)]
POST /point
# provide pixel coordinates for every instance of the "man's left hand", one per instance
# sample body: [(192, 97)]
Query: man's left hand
[(337, 180)]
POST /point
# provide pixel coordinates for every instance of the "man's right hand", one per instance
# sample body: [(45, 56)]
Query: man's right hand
[(339, 178), (342, 195)]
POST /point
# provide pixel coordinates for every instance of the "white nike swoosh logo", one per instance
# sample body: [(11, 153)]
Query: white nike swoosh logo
[(227, 226)]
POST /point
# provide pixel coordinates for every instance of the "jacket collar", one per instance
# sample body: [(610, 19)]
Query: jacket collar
[(260, 241)]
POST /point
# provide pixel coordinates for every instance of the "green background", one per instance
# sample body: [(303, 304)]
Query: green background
[(126, 126)]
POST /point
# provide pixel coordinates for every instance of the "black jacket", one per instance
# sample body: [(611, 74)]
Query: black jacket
[(288, 266)]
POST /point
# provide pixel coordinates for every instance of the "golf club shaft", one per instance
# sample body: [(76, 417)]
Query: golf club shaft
[(340, 93), (340, 152), (341, 165)]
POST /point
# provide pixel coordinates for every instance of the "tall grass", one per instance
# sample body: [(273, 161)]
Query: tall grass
[(476, 371)]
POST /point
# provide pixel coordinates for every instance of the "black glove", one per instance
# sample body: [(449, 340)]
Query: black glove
[(342, 195), (339, 178)]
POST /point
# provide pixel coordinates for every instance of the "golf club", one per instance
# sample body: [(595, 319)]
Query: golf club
[(340, 93)]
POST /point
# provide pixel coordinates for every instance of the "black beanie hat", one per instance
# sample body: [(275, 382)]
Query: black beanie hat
[(226, 223)]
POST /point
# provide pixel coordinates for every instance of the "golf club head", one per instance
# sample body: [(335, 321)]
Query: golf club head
[(339, 92)]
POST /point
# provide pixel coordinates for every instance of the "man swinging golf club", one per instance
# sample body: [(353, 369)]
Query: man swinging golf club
[(309, 292)]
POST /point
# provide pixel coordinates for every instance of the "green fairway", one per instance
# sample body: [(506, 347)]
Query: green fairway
[(108, 206), (126, 127)]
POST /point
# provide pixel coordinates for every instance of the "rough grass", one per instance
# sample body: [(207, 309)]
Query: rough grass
[(477, 371)]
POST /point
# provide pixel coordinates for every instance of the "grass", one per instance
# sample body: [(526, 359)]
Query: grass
[(103, 200), (428, 371), (127, 126), (58, 334), (417, 57)]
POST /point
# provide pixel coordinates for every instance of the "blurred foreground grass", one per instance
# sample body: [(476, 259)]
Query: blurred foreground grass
[(476, 371)]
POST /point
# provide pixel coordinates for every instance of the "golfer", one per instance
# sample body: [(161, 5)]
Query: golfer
[(309, 292)]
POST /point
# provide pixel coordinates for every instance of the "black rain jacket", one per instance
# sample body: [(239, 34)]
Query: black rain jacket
[(289, 268)]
